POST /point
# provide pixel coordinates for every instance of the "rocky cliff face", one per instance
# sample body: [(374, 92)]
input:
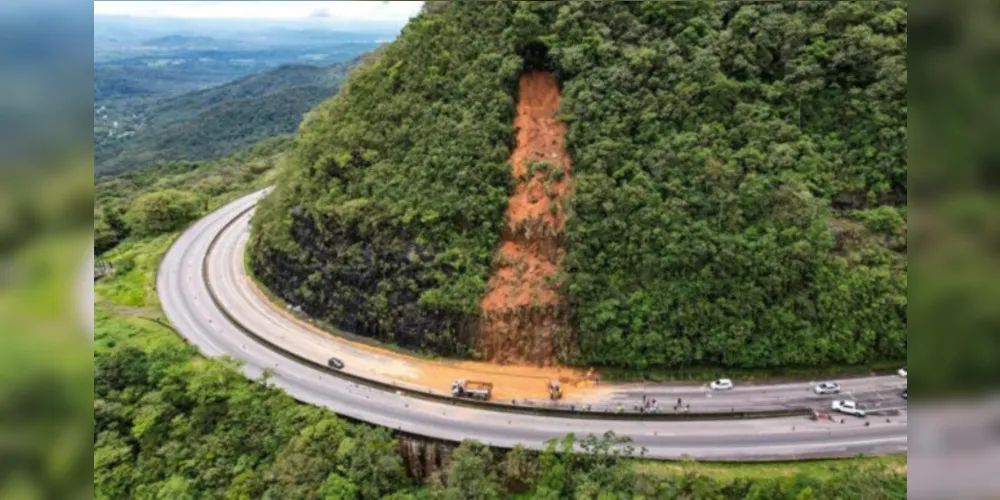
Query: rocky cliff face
[(424, 458)]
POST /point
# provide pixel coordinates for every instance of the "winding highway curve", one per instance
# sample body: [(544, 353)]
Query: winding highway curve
[(207, 260)]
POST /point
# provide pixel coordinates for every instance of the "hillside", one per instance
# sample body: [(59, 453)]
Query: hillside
[(219, 120), (629, 184)]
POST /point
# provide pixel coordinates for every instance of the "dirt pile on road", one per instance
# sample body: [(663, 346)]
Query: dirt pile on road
[(524, 319)]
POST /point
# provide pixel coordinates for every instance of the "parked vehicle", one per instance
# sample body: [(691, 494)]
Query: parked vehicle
[(902, 372), (472, 389), (903, 394), (827, 388), (848, 407), (335, 363), (723, 384)]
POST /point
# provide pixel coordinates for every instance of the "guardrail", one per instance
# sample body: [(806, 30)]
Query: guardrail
[(483, 405)]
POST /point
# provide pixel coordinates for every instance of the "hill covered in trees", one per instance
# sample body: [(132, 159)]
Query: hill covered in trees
[(216, 121), (734, 193)]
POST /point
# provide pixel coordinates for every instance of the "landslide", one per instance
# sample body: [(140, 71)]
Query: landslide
[(738, 171), (524, 318)]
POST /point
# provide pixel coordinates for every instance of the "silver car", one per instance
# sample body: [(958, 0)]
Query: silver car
[(827, 388)]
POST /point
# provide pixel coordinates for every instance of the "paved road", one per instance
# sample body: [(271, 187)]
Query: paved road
[(876, 393), (186, 301)]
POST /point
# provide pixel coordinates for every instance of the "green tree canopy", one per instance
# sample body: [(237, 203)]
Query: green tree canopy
[(740, 176), (163, 211)]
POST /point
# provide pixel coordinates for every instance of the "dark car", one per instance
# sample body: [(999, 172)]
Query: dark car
[(903, 394), (335, 363)]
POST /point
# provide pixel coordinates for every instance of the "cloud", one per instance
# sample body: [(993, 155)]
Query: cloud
[(335, 11), (319, 14)]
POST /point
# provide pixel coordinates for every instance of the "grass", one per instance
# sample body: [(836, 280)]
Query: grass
[(112, 329), (133, 283), (819, 469)]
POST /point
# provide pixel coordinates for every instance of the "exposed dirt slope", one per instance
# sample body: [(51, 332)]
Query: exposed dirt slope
[(524, 319)]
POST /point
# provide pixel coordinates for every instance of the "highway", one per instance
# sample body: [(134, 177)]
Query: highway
[(186, 299)]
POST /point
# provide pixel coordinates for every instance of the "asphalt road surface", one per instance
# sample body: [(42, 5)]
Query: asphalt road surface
[(186, 300)]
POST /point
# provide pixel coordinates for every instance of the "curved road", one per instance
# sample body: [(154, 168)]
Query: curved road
[(184, 293)]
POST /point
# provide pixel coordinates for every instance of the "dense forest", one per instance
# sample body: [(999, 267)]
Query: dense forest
[(739, 188), (212, 122)]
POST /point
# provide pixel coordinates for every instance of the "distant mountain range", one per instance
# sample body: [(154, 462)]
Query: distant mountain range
[(211, 122)]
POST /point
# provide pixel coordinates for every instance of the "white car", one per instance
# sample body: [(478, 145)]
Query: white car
[(848, 407), (827, 388), (722, 384), (902, 372)]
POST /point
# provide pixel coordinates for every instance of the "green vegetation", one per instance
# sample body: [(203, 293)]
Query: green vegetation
[(165, 197), (603, 469), (171, 424), (709, 213), (134, 263), (45, 370), (45, 362), (161, 211), (210, 123), (817, 469), (390, 213), (740, 181), (168, 425)]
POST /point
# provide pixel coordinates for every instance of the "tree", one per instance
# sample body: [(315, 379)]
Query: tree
[(472, 474), (163, 211), (519, 469), (370, 459), (336, 487)]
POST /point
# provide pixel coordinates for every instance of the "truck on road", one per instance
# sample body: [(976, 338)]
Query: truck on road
[(472, 389)]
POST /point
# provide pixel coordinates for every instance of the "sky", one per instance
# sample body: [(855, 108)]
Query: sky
[(365, 12)]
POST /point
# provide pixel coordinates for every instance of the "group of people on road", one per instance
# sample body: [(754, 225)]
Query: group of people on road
[(652, 405)]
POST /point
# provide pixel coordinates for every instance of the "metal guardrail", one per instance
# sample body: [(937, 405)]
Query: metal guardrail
[(483, 405)]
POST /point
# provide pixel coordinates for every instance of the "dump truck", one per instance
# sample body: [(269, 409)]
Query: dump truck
[(472, 389), (555, 391)]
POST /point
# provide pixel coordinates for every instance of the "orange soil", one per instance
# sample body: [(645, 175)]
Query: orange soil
[(521, 309), (509, 382)]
